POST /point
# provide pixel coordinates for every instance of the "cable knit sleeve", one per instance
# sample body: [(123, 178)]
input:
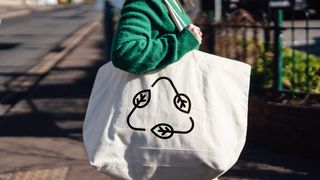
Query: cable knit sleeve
[(141, 43)]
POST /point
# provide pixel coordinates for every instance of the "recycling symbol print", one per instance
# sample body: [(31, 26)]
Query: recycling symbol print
[(164, 131)]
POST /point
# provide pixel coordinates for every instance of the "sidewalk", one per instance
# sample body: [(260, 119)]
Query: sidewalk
[(32, 44), (14, 11), (41, 136), (10, 12)]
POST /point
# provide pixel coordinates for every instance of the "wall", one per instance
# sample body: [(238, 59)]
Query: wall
[(286, 128)]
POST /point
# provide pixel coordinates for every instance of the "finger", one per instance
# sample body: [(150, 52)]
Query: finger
[(191, 26), (199, 33)]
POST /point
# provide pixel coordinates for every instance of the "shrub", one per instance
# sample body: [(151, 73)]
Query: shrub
[(294, 79)]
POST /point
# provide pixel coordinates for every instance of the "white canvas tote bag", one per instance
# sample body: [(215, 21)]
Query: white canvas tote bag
[(184, 122)]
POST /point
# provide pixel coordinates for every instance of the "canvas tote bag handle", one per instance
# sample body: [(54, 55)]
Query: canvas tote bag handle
[(175, 16)]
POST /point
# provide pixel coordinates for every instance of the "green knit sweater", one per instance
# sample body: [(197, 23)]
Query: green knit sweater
[(148, 39)]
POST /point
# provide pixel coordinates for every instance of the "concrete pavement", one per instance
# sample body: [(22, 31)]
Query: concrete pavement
[(13, 11), (300, 41), (35, 42), (7, 12), (41, 136)]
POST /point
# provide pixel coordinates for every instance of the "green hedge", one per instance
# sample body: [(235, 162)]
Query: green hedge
[(262, 74)]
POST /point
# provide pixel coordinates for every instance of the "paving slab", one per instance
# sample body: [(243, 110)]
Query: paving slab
[(27, 40), (41, 136)]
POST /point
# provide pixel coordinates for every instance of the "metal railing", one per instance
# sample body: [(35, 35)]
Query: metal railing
[(279, 67)]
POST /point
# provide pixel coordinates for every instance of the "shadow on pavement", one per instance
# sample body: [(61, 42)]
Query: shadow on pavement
[(56, 106), (43, 131), (260, 163)]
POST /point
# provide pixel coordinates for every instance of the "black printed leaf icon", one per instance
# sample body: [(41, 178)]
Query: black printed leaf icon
[(182, 103), (164, 131), (142, 99)]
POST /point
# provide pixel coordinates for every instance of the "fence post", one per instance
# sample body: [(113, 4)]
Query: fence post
[(308, 52), (278, 59)]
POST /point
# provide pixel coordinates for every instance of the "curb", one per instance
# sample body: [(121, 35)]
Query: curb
[(21, 85), (28, 10), (8, 15)]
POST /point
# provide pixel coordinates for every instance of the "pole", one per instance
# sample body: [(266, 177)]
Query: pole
[(278, 59), (217, 10), (108, 28), (308, 52)]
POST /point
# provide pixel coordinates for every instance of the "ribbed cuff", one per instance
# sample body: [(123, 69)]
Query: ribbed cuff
[(187, 41)]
